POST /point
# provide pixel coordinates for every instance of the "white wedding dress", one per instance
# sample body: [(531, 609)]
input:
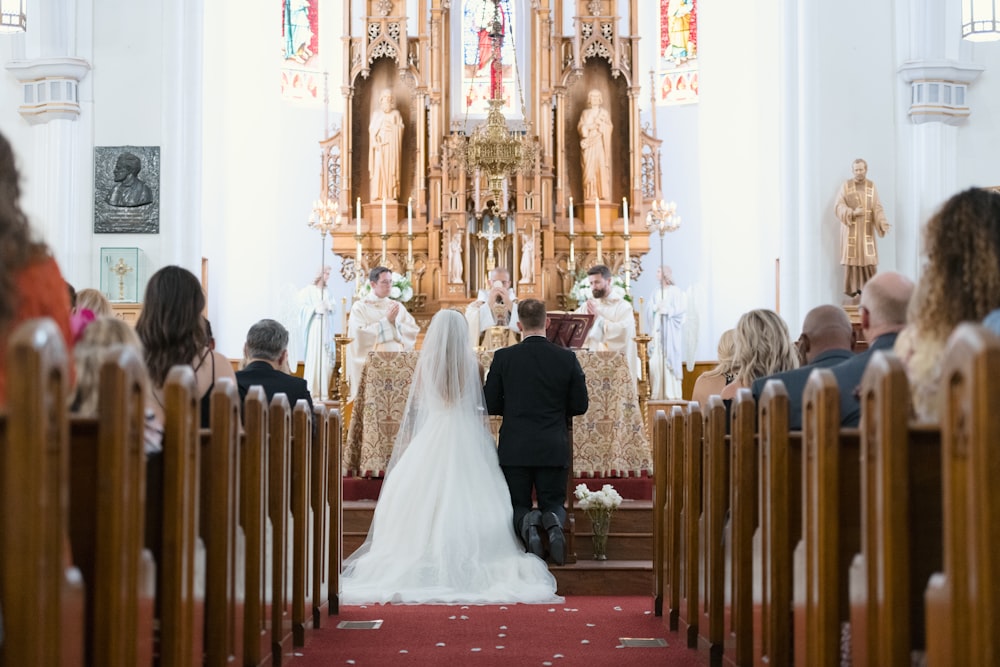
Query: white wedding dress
[(442, 531)]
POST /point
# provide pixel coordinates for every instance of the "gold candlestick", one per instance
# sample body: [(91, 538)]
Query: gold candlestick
[(641, 342), (339, 390), (600, 254)]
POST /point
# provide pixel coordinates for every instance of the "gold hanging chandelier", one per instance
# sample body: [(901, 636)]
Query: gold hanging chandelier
[(497, 152)]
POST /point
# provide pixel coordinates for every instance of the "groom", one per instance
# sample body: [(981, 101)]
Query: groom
[(537, 386)]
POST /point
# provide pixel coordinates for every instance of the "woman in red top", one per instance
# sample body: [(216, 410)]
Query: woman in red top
[(30, 282)]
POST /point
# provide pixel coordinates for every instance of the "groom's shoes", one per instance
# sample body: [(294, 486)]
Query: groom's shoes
[(530, 524), (557, 541)]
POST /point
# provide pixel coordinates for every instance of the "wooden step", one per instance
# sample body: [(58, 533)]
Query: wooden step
[(630, 549)]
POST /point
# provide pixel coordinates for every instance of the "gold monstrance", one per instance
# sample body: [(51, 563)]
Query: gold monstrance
[(121, 269)]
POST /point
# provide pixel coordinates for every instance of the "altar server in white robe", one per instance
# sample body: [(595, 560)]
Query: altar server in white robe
[(665, 314), (493, 307), (377, 323), (316, 324), (614, 323)]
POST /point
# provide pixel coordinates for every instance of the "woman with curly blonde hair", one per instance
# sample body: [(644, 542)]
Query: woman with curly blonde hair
[(762, 347), (960, 282)]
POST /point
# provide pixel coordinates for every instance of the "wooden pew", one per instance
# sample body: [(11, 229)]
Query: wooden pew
[(335, 494), (319, 495), (661, 457), (172, 520), (254, 503), (739, 648), (673, 526), (41, 592), (963, 601), (780, 470), (691, 523), (715, 504), (900, 520), (279, 511), (107, 519), (302, 529)]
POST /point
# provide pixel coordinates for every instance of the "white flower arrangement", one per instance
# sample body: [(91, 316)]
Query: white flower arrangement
[(607, 499), (401, 289), (580, 291)]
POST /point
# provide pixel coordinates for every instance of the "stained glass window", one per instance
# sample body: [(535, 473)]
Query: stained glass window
[(480, 20), (678, 62)]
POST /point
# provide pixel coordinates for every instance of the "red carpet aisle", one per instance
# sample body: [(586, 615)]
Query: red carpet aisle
[(585, 632)]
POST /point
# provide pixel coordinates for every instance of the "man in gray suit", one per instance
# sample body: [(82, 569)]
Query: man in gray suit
[(826, 340), (883, 315)]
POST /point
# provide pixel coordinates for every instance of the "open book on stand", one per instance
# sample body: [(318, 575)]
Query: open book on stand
[(568, 329)]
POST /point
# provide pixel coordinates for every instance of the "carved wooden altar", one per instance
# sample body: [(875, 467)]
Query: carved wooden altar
[(449, 205)]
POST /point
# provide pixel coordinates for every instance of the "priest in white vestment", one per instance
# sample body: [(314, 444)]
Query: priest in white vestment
[(665, 313), (377, 323), (496, 306), (614, 323)]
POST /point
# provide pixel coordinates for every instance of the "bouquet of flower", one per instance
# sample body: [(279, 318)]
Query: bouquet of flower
[(605, 500), (580, 291), (401, 290)]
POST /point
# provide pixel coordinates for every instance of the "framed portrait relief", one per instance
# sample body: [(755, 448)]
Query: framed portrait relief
[(127, 190)]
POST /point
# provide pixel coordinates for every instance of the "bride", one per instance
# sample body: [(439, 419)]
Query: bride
[(442, 530)]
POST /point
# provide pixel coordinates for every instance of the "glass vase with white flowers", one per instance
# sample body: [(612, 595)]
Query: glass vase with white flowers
[(599, 505)]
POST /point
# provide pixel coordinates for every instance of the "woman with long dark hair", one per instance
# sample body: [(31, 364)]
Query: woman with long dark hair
[(173, 333)]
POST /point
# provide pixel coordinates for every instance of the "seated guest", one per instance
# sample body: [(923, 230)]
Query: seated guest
[(960, 282), (173, 333), (826, 340), (100, 337), (377, 323), (92, 300), (266, 352), (614, 318), (762, 347), (883, 315), (712, 382), (494, 307), (30, 282)]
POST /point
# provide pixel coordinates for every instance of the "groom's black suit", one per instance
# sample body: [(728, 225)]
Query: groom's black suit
[(537, 386)]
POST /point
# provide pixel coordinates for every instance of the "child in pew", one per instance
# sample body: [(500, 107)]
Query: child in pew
[(762, 346), (104, 336), (960, 282)]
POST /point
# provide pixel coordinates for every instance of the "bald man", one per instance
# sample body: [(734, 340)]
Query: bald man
[(826, 340), (883, 315)]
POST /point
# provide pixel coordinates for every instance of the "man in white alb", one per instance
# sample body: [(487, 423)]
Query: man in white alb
[(614, 323), (377, 323), (494, 307)]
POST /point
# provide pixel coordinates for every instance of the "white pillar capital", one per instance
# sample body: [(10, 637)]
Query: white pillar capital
[(938, 90), (50, 87)]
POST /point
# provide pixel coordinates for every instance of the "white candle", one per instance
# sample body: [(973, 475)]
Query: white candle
[(597, 207), (571, 216), (409, 216), (357, 216), (383, 216), (625, 204)]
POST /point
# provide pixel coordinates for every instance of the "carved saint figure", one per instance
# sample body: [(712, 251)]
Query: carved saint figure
[(527, 257), (455, 258), (385, 141), (860, 212), (595, 147)]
